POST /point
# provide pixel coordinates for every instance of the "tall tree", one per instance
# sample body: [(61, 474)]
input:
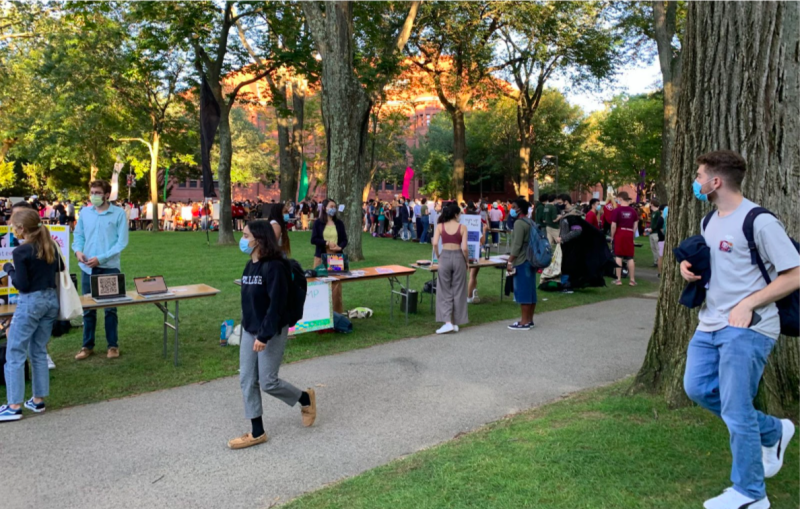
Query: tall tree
[(454, 45), (742, 92), (281, 33), (360, 45), (541, 40)]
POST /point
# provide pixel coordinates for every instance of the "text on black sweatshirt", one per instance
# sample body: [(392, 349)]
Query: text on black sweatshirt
[(265, 290)]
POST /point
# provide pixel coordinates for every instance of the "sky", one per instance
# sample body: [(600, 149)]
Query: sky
[(633, 79)]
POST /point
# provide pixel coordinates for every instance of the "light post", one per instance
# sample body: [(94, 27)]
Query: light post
[(556, 158)]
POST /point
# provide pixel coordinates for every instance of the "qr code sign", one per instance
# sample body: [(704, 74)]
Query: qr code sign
[(107, 285)]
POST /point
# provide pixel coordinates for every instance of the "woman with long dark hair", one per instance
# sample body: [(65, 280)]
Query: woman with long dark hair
[(330, 237), (451, 290), (33, 273), (265, 328), (277, 220)]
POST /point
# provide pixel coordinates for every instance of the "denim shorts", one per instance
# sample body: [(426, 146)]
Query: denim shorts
[(525, 284)]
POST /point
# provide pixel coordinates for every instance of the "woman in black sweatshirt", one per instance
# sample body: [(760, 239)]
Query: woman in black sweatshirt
[(33, 273), (265, 328)]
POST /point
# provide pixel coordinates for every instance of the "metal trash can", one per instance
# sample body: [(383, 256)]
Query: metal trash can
[(410, 299)]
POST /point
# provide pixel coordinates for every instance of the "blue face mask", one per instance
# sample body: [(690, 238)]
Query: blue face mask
[(331, 212), (513, 213), (286, 217), (696, 187), (244, 246)]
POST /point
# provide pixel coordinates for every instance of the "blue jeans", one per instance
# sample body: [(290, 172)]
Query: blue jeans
[(723, 369), (426, 221), (407, 227), (28, 336), (525, 284), (90, 316), (495, 225)]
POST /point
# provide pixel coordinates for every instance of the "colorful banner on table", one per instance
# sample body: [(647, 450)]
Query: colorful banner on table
[(303, 183), (318, 310), (8, 242), (409, 177)]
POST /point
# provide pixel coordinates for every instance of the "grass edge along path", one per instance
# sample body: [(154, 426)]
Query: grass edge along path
[(184, 258), (595, 449)]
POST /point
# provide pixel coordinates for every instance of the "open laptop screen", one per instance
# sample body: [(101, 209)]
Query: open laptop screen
[(107, 286)]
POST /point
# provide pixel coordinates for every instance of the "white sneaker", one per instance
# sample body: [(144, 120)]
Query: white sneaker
[(772, 457), (475, 298), (470, 301), (732, 499), (50, 363), (444, 329), (455, 328)]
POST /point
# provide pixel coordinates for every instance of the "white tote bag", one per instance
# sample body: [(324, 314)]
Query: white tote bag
[(554, 270), (69, 302)]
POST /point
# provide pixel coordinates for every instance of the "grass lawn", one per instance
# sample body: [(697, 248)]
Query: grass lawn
[(596, 449), (184, 258)]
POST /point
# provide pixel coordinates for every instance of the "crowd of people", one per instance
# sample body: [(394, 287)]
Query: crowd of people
[(739, 321)]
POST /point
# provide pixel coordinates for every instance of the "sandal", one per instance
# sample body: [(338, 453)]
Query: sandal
[(632, 283), (618, 282)]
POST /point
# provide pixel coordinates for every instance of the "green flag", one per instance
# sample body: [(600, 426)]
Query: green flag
[(166, 182), (303, 183)]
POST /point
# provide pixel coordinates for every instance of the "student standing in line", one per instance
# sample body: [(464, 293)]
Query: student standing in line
[(100, 237), (425, 218), (277, 219), (495, 217), (739, 324), (451, 290), (525, 274), (33, 273), (265, 329), (623, 223), (329, 237)]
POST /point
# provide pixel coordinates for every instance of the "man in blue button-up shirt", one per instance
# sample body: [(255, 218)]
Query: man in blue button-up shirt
[(100, 237)]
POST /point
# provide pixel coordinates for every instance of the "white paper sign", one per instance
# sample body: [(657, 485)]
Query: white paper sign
[(473, 224), (149, 213), (341, 207), (215, 211), (317, 311)]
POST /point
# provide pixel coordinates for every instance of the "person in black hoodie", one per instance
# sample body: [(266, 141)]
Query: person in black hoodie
[(265, 328)]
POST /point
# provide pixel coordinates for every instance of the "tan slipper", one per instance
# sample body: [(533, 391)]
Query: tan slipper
[(309, 413), (246, 441)]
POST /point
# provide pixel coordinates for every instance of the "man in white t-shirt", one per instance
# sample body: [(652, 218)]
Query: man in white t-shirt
[(739, 324), (495, 216)]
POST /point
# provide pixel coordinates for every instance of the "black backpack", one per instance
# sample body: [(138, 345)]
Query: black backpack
[(298, 287), (789, 306)]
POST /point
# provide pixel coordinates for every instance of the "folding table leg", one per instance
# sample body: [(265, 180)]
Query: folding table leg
[(177, 326)]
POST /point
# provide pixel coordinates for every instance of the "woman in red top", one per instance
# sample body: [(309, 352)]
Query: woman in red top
[(592, 216), (623, 224)]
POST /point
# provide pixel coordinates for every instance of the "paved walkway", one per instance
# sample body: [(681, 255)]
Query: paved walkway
[(168, 449)]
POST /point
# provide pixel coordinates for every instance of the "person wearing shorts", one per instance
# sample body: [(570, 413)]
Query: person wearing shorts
[(524, 273), (624, 222)]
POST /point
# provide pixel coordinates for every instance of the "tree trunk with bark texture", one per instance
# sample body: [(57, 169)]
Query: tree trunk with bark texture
[(742, 92), (155, 145), (290, 141), (459, 152), (670, 63), (224, 176)]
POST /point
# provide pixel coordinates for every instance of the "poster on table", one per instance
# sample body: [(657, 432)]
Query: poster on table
[(8, 242), (186, 214), (318, 310), (473, 224)]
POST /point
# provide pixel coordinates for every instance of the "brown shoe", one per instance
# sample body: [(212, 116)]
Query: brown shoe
[(83, 354), (113, 353), (246, 441), (309, 412)]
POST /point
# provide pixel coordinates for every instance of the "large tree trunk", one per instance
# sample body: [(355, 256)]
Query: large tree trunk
[(224, 176), (290, 141), (670, 63), (459, 152), (154, 148), (742, 92)]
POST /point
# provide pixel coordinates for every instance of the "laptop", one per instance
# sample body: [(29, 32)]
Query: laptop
[(151, 287), (109, 288), (336, 264)]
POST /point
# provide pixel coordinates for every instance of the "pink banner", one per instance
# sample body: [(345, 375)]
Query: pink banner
[(407, 182)]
